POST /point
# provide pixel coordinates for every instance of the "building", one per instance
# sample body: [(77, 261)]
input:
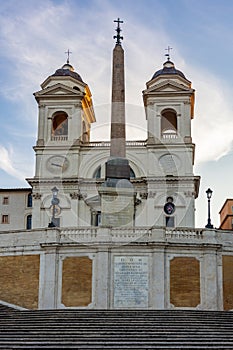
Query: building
[(16, 209), (113, 223), (226, 215), (161, 166)]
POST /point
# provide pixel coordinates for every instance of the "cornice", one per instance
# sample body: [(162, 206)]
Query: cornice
[(58, 180), (163, 179)]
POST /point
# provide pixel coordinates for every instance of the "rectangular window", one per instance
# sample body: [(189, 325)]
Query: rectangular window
[(29, 200), (29, 222), (5, 200), (96, 218), (5, 219), (170, 222)]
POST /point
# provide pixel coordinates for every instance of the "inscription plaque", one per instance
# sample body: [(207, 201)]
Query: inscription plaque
[(130, 281)]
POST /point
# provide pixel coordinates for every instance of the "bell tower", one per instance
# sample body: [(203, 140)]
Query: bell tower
[(64, 121), (169, 105)]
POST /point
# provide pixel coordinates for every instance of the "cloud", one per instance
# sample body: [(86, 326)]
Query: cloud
[(213, 124), (35, 37), (6, 163), (25, 39)]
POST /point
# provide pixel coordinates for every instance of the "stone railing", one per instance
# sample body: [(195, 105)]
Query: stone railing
[(79, 235), (95, 235), (184, 233), (107, 144), (59, 138), (130, 235), (19, 240), (135, 143), (169, 136)]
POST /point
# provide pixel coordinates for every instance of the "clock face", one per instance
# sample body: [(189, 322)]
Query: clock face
[(57, 164)]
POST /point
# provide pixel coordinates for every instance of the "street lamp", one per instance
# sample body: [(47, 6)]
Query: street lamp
[(209, 195), (55, 201)]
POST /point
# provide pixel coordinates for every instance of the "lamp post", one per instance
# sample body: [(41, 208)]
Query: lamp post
[(55, 201), (209, 195)]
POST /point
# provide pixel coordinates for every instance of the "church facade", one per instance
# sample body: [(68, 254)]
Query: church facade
[(112, 224), (161, 167)]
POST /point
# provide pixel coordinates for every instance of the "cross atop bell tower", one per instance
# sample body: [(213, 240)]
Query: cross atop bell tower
[(68, 52), (168, 52)]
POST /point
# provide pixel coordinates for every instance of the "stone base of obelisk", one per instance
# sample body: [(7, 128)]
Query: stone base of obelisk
[(117, 195), (117, 205)]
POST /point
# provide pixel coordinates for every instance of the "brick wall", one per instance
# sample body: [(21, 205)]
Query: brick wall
[(77, 281), (19, 280), (184, 282), (227, 265)]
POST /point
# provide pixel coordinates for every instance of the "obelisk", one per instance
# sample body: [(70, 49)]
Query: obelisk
[(118, 99), (117, 193)]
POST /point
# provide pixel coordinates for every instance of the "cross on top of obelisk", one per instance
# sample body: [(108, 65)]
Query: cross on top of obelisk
[(118, 30), (168, 52), (68, 52)]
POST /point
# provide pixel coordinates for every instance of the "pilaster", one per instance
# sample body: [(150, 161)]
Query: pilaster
[(48, 279), (158, 279), (209, 287), (102, 283)]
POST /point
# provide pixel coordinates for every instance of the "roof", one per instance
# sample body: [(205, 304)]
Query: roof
[(168, 68), (67, 70), (27, 189)]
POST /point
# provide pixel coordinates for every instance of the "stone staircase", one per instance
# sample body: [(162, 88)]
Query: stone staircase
[(113, 329)]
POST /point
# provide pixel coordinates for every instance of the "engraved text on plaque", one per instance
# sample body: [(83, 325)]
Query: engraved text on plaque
[(131, 281)]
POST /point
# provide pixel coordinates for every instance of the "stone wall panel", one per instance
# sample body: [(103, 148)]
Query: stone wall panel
[(77, 281), (185, 282), (227, 265), (19, 280)]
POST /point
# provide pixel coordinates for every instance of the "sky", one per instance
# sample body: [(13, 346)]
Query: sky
[(35, 36)]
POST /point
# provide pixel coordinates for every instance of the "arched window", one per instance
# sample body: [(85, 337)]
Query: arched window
[(169, 123), (29, 200), (60, 126), (97, 173), (29, 222), (132, 173)]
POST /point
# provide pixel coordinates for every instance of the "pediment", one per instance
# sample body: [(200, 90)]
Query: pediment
[(168, 86), (59, 90)]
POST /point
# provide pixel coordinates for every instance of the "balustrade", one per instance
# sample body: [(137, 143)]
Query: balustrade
[(107, 144), (59, 138)]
